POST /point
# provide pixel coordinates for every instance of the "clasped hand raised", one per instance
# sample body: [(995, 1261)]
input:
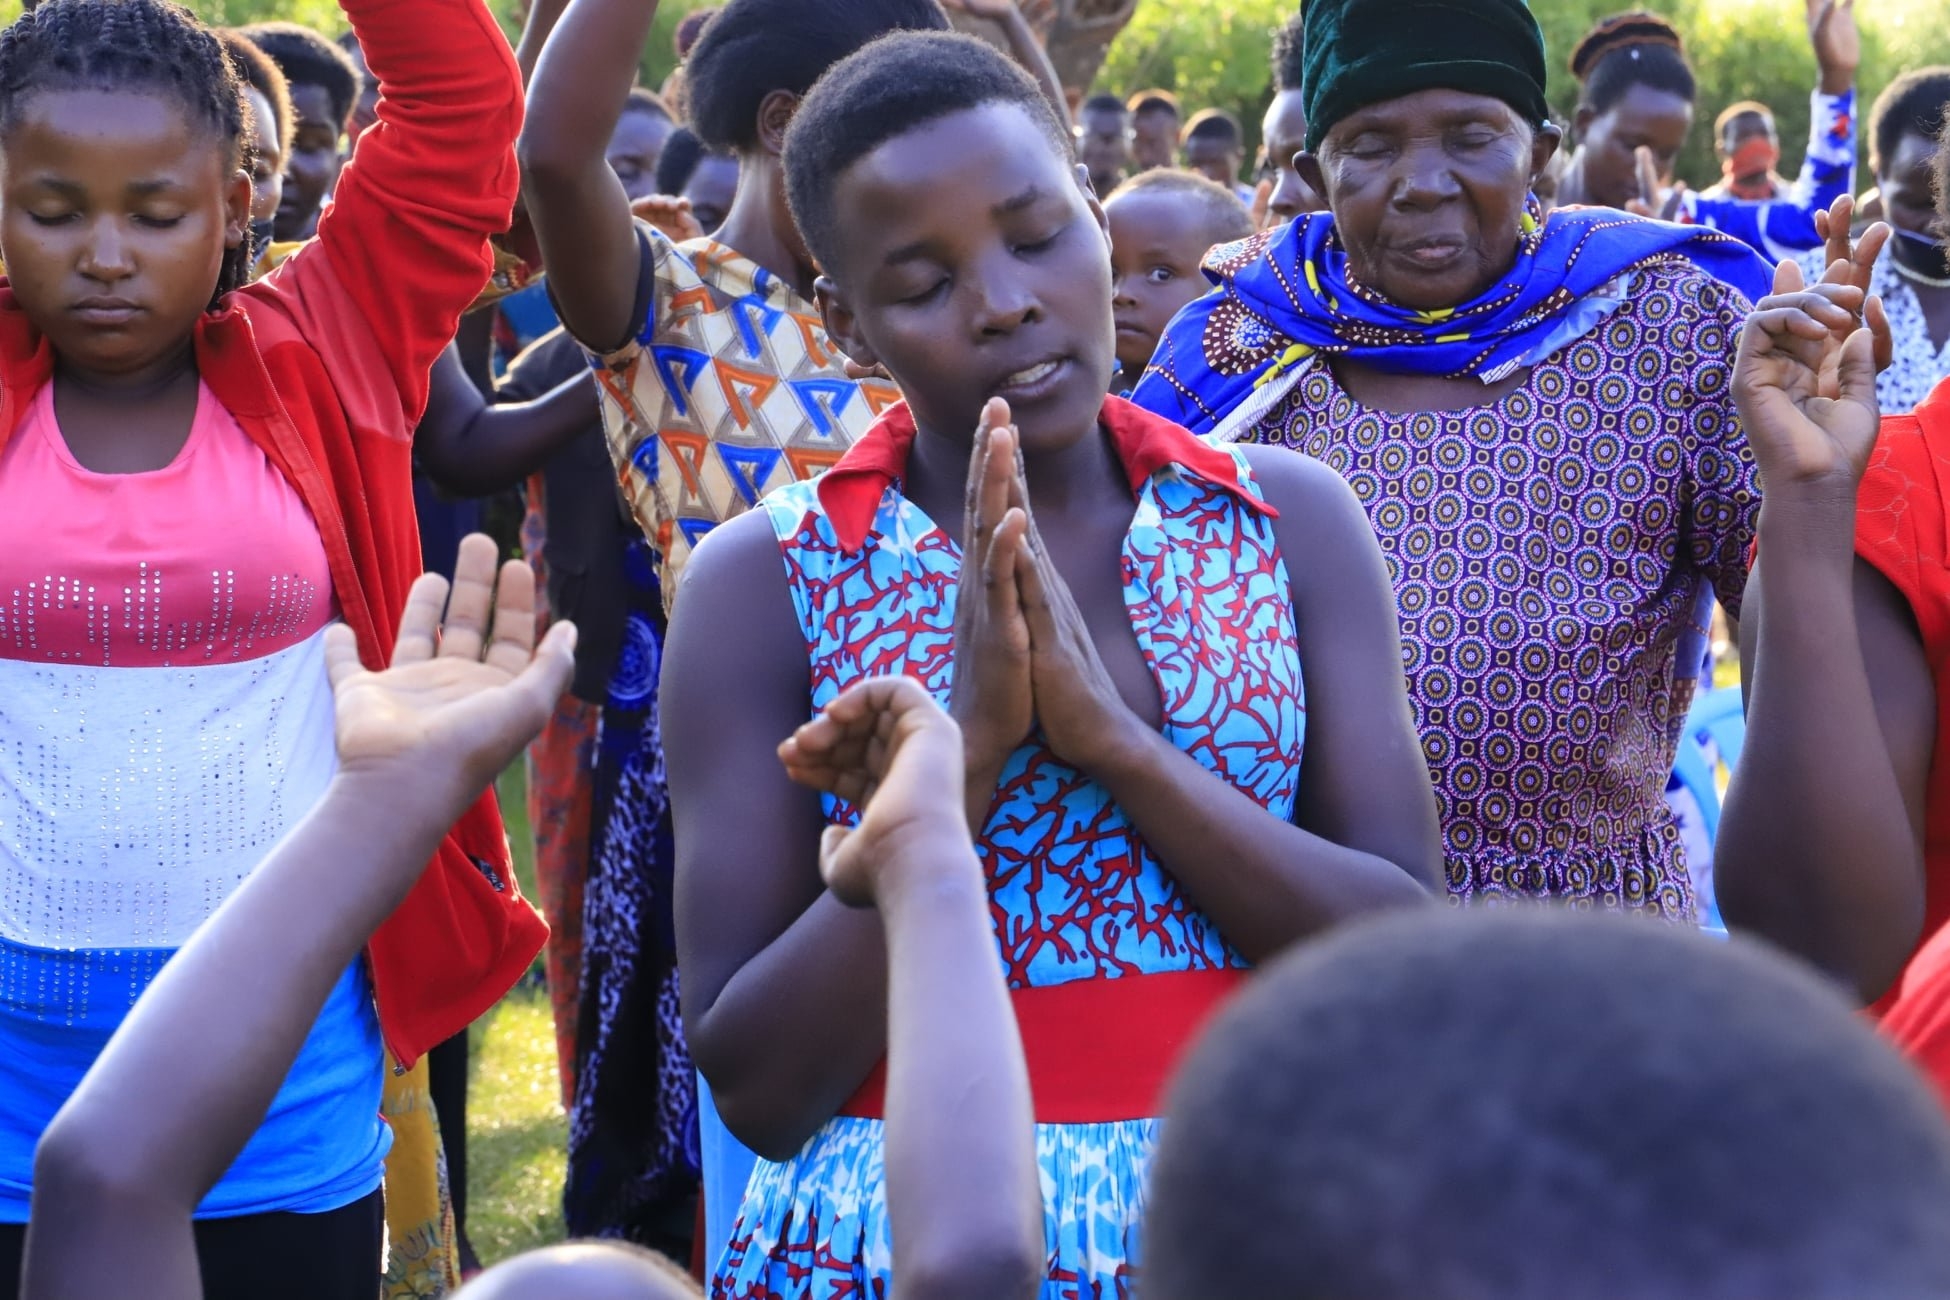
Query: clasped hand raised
[(1805, 378)]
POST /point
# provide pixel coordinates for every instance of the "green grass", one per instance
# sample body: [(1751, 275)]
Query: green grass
[(517, 1135)]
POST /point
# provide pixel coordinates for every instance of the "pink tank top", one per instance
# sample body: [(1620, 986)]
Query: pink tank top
[(213, 558)]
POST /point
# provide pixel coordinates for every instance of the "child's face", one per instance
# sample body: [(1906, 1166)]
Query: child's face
[(1157, 241), (1215, 160), (115, 214), (973, 265)]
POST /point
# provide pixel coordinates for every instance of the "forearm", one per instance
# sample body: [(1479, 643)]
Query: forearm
[(1028, 50), (1816, 849), (1263, 880), (957, 1092), (796, 1031), (1828, 166), (579, 211), (499, 446), (542, 17), (189, 1075)]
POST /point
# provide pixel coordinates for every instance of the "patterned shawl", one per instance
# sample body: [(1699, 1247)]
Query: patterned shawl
[(1284, 295)]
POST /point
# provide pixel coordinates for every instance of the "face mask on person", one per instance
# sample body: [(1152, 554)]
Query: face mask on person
[(1924, 255), (1755, 160)]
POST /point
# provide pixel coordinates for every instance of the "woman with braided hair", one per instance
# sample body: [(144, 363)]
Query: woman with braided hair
[(1635, 110), (198, 475)]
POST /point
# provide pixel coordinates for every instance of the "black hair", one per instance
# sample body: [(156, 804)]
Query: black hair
[(1226, 218), (1214, 124), (1734, 112), (689, 28), (1290, 55), (1104, 103), (138, 46), (897, 84), (258, 72), (755, 48), (1627, 50), (1913, 104), (1153, 101), (649, 103), (308, 59), (683, 151), (1532, 1105)]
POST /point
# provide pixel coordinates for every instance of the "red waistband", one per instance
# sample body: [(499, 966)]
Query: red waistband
[(1099, 1050)]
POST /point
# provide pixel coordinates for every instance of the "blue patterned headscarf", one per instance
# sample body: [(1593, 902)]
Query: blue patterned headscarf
[(1285, 295)]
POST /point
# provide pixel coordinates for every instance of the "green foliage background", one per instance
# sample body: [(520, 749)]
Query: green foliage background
[(1214, 52)]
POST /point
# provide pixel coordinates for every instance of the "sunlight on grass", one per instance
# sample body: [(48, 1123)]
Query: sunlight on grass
[(516, 1132)]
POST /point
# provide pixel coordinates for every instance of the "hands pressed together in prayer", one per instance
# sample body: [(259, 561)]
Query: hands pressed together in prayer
[(1023, 654)]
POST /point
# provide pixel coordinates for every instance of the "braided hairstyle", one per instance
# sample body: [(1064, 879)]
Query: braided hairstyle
[(1627, 50), (152, 46)]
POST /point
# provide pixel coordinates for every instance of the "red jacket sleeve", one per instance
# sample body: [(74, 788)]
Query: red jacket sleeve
[(402, 249)]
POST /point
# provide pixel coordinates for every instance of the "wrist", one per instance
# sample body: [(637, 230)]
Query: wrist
[(1117, 747), (938, 870), (1806, 527), (414, 807), (1836, 81)]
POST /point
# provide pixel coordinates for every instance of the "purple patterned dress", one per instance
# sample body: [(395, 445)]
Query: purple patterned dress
[(1551, 553)]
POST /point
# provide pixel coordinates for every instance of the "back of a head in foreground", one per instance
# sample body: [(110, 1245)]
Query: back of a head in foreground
[(583, 1270), (1529, 1106)]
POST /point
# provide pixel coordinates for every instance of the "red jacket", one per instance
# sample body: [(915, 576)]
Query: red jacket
[(324, 362)]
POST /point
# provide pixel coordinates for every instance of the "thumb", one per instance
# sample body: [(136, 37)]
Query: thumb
[(839, 867), (1856, 370)]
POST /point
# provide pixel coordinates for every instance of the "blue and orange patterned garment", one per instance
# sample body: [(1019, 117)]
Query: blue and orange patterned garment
[(1554, 556), (728, 389), (1075, 894)]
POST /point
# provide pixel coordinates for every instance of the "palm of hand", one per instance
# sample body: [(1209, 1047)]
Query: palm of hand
[(1804, 427), (445, 703)]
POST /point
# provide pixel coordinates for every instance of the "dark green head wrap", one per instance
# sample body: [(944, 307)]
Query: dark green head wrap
[(1362, 52)]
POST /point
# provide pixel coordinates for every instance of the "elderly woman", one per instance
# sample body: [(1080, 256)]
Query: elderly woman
[(1536, 416)]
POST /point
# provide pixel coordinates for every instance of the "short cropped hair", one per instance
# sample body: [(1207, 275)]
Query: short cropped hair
[(1153, 101), (307, 58), (1214, 124), (1530, 1105), (895, 85), (754, 48), (1104, 103), (259, 72), (1913, 104), (1734, 112), (1227, 219)]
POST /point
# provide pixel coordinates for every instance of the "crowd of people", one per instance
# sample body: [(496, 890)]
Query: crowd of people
[(1023, 612)]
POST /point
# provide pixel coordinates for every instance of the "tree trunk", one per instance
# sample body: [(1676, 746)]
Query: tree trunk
[(1078, 41)]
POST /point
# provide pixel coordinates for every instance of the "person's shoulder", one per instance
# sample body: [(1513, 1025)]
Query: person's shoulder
[(730, 560), (1312, 500), (1693, 292)]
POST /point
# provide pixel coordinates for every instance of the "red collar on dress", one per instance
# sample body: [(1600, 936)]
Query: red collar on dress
[(1144, 443)]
